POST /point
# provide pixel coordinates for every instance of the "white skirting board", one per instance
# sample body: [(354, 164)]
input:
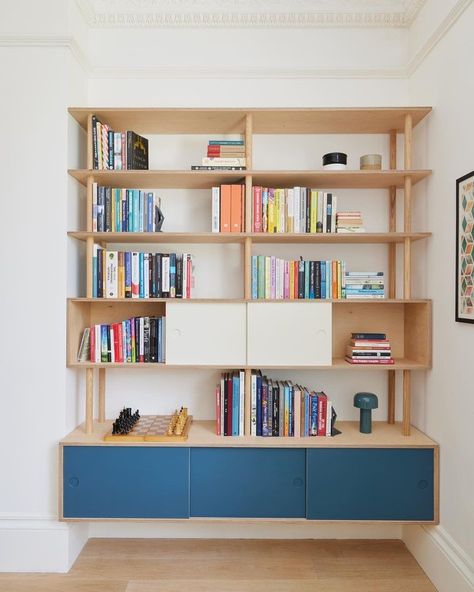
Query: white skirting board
[(32, 544), (441, 558)]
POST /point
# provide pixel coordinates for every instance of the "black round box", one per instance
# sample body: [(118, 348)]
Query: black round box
[(335, 158)]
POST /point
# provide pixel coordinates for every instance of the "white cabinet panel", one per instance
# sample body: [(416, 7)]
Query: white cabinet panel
[(201, 333), (289, 334)]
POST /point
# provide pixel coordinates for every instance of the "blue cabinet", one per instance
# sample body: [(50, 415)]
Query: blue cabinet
[(370, 484), (248, 482), (125, 482)]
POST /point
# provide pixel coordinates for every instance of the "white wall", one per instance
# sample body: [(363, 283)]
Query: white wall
[(443, 80)]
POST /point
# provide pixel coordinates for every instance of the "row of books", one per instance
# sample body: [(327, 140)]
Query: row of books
[(135, 340), (125, 210), (277, 408), (223, 155), (369, 348), (277, 279), (364, 284), (299, 210), (113, 150), (131, 274), (228, 208)]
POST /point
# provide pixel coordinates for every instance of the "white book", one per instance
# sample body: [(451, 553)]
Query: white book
[(216, 209), (111, 274), (223, 161), (112, 348), (296, 209), (118, 151), (319, 219), (290, 226), (297, 412), (325, 212), (146, 275), (141, 330), (94, 207), (253, 406), (135, 275), (165, 273), (141, 219), (328, 418), (333, 214), (241, 402), (185, 274)]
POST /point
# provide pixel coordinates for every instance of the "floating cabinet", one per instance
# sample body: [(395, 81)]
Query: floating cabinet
[(202, 333), (289, 334), (371, 484), (125, 482), (248, 483)]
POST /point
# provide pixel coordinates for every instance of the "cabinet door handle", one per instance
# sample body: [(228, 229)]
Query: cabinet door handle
[(298, 482), (73, 482), (177, 332), (422, 484)]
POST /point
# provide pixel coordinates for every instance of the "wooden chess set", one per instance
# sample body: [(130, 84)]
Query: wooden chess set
[(130, 427)]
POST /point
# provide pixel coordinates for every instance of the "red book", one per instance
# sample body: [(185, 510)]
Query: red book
[(116, 341), (229, 388), (119, 357), (295, 263), (225, 207), (322, 413)]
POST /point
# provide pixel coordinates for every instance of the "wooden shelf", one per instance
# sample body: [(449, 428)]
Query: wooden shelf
[(362, 120), (244, 300), (202, 434), (239, 237), (338, 364), (187, 179)]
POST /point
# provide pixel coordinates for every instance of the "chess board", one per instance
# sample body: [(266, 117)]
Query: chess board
[(151, 428)]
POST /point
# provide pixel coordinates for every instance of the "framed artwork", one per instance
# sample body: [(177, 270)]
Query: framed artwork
[(465, 249)]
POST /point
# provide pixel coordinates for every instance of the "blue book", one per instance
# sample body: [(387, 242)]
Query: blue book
[(149, 213), (323, 280), (111, 150), (306, 279), (128, 273), (136, 210), (104, 347), (142, 212), (259, 405), (329, 279), (124, 212), (306, 413), (226, 142), (141, 268), (235, 404), (118, 210), (172, 275), (287, 404), (129, 210), (265, 409), (313, 431), (254, 277)]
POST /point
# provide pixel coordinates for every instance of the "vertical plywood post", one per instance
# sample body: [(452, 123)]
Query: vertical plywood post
[(89, 254), (247, 268), (101, 395), (89, 189), (89, 400), (392, 266), (406, 419), (90, 155), (248, 401), (248, 140), (407, 208)]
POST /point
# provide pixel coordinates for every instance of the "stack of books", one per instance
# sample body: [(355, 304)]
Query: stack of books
[(131, 274), (117, 150), (364, 284), (349, 222), (223, 155), (277, 408), (125, 210), (278, 279), (369, 348), (228, 208), (299, 210), (135, 340)]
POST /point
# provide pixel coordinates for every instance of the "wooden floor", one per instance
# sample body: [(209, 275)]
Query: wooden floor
[(151, 565)]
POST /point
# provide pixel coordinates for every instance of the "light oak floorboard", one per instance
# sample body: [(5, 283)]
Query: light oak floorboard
[(161, 565)]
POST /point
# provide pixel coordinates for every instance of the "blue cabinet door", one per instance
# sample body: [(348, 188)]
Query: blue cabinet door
[(248, 482), (370, 484), (126, 482)]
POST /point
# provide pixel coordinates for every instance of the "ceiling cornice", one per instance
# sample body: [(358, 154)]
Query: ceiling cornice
[(248, 13)]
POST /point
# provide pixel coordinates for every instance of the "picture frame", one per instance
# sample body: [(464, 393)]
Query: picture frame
[(465, 248)]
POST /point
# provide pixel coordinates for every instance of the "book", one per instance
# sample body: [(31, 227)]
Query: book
[(225, 208), (195, 167), (220, 161), (373, 336), (137, 151)]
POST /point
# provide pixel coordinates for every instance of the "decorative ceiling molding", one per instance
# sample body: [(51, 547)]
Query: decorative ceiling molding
[(248, 13)]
